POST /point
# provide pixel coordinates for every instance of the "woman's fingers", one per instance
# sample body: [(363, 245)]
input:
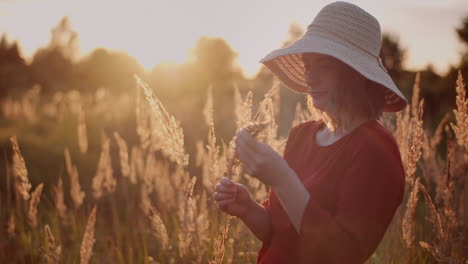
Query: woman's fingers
[(225, 202), (225, 189), (248, 140), (226, 181), (223, 196)]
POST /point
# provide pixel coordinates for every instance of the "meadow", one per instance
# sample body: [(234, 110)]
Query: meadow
[(119, 200)]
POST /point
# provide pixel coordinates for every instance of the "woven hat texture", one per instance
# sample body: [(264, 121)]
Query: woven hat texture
[(346, 32)]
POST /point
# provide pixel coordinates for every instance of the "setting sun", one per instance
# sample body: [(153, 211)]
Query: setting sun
[(154, 31), (216, 131)]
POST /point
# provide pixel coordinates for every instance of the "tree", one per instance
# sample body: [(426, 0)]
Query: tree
[(462, 33), (52, 66), (295, 31), (393, 56), (216, 60), (112, 70), (15, 76)]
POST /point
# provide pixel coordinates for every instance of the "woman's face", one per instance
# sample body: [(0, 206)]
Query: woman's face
[(324, 76)]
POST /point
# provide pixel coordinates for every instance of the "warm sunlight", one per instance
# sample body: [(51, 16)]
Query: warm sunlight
[(164, 30), (233, 131)]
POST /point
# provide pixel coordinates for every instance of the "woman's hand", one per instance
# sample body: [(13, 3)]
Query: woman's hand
[(233, 198), (260, 160)]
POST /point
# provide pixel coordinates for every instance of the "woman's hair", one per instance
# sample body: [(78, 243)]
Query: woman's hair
[(363, 101)]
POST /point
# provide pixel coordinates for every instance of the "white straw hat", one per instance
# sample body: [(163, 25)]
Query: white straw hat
[(346, 32)]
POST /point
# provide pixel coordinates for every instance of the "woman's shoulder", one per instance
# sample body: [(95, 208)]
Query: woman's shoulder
[(374, 138)]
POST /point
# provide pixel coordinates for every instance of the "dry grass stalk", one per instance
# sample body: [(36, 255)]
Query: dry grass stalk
[(438, 132), (461, 114), (33, 202), (270, 132), (104, 181), (60, 201), (405, 132), (123, 154), (168, 184), (440, 247), (254, 128), (194, 225), (53, 250), (433, 165), (142, 124), (22, 184), (187, 216), (435, 251), (76, 193), (243, 113), (169, 133), (402, 126), (268, 112), (136, 164), (263, 113), (200, 153), (11, 225), (159, 229), (448, 191), (436, 221), (408, 223), (415, 97), (68, 162), (275, 97), (232, 161), (148, 178), (242, 108), (81, 131), (87, 243), (212, 162), (219, 244), (414, 150)]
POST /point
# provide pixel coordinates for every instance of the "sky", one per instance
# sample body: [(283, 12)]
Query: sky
[(156, 31)]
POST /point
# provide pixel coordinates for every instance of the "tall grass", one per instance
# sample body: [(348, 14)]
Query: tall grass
[(151, 210)]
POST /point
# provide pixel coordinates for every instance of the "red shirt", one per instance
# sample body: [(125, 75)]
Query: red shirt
[(355, 185)]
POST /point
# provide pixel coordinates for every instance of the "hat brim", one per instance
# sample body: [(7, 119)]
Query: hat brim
[(287, 64)]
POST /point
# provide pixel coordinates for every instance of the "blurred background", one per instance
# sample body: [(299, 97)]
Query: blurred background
[(63, 60), (182, 47)]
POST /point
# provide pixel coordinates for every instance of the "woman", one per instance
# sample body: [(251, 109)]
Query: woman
[(335, 190)]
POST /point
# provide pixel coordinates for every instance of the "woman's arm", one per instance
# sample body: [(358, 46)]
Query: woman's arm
[(293, 196), (258, 220)]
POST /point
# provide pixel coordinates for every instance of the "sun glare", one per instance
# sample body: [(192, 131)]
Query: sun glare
[(156, 31)]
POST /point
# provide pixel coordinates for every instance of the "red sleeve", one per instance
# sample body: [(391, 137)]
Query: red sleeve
[(266, 203), (372, 189)]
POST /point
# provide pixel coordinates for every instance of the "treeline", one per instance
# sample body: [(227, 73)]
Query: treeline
[(183, 87)]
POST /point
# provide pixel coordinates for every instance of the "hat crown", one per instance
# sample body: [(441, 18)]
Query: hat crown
[(349, 24), (346, 32)]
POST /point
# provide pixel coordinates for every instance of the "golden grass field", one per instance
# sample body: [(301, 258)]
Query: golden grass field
[(136, 202)]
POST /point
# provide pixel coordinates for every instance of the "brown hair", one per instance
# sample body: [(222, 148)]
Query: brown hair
[(363, 101)]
